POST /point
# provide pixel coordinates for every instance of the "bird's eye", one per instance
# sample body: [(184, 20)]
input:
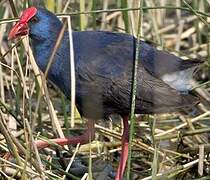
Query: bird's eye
[(34, 20)]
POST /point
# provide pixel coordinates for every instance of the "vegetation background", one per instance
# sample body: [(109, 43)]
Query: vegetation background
[(168, 146)]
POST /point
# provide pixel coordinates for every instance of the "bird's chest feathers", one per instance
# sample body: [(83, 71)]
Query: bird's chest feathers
[(42, 53), (58, 69)]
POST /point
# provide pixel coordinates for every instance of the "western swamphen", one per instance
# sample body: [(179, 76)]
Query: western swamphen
[(103, 67)]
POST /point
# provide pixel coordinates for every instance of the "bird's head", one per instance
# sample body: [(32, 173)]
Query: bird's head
[(38, 23)]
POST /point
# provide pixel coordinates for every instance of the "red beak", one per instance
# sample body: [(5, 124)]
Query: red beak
[(21, 28), (18, 30)]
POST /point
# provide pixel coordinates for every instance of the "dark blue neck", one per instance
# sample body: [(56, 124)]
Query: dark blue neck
[(59, 72)]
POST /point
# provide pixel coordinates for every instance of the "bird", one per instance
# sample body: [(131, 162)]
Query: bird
[(104, 70)]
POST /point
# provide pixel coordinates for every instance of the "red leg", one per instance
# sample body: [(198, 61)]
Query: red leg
[(83, 139), (124, 154)]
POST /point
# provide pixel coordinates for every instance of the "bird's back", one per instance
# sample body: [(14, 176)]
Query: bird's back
[(104, 66)]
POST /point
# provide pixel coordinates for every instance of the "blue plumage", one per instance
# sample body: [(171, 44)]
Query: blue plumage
[(103, 67), (103, 63)]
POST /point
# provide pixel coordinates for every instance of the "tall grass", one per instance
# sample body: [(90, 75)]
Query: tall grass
[(168, 146)]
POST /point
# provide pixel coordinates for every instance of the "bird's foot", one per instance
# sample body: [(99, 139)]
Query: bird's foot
[(85, 138), (124, 154)]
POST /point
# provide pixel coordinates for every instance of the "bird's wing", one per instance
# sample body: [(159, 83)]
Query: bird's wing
[(110, 73), (155, 61), (152, 95), (160, 63)]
